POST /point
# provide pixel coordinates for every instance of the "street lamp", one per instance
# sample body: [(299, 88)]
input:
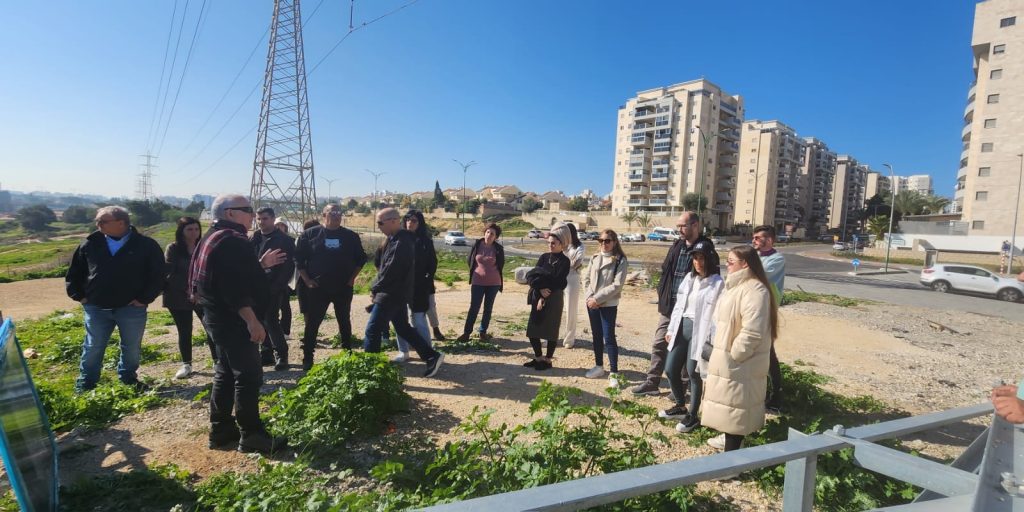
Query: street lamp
[(329, 183), (706, 142), (465, 167), (892, 213), (375, 176), (1016, 211)]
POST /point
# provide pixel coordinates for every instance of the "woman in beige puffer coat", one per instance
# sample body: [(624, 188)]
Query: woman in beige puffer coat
[(746, 322)]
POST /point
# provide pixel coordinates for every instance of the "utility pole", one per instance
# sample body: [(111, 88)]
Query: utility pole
[(282, 175), (465, 167), (892, 214), (706, 142), (1016, 211), (329, 183), (375, 176), (144, 188)]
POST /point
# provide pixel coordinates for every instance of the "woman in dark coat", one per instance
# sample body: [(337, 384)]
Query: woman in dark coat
[(177, 257), (423, 286), (547, 280)]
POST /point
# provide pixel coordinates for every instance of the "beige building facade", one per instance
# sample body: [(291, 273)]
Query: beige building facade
[(817, 175), (987, 189), (848, 189), (876, 184), (770, 189), (920, 183), (675, 140)]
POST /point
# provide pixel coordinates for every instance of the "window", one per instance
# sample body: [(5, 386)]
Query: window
[(978, 224), (1008, 22), (990, 123), (986, 147), (984, 171), (999, 48), (995, 74), (993, 98), (981, 196)]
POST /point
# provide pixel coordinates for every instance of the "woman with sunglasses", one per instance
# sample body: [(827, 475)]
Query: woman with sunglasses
[(691, 328), (603, 284), (547, 281), (746, 323), (178, 257)]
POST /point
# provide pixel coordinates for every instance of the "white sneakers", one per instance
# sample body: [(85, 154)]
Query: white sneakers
[(400, 358), (568, 343), (595, 373), (613, 380), (184, 372), (717, 442)]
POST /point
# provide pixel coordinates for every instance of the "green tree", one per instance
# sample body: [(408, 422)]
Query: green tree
[(695, 202), (530, 205), (36, 217), (439, 198), (629, 218), (195, 208), (878, 226), (578, 204), (643, 218), (77, 214), (144, 213)]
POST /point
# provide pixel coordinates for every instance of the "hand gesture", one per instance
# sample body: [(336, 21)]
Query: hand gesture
[(592, 304), (546, 292), (1007, 405), (256, 332), (272, 258)]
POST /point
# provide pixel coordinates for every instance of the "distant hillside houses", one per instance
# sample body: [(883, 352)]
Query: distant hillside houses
[(506, 195)]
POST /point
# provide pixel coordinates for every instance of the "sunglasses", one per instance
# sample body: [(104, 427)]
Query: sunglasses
[(246, 209), (382, 221), (604, 240)]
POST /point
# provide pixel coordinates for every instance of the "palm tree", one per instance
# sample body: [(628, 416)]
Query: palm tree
[(643, 219), (935, 204), (629, 218), (878, 226)]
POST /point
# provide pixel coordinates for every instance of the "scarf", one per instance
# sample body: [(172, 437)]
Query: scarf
[(198, 271)]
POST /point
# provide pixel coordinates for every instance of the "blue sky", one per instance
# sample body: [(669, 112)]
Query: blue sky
[(528, 89)]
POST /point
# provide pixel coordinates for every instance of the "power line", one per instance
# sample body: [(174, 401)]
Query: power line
[(184, 70), (223, 126), (351, 30), (163, 69), (170, 76), (224, 154)]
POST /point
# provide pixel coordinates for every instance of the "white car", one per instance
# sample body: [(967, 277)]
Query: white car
[(454, 238), (718, 240), (968, 278)]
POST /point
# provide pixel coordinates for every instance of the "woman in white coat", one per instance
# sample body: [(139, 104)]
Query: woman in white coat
[(573, 251), (691, 327), (746, 323)]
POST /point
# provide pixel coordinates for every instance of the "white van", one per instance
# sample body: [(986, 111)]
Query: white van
[(670, 235)]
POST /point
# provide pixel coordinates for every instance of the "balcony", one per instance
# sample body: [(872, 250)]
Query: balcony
[(635, 177), (644, 112), (658, 202), (965, 134), (726, 182), (642, 126), (659, 189), (727, 107), (640, 161), (661, 162), (659, 176), (667, 148), (723, 196), (640, 152), (637, 202), (727, 159), (727, 172), (723, 207), (971, 91), (963, 155), (729, 134), (641, 139), (633, 191), (969, 110)]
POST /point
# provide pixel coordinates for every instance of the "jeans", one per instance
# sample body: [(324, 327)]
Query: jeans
[(477, 294), (602, 324), (659, 350), (675, 364), (572, 305), (275, 341), (183, 322), (237, 376), (394, 312), (419, 322), (696, 386), (99, 325), (316, 302)]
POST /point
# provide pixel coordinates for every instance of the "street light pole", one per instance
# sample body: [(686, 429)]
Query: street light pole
[(329, 183), (706, 142), (375, 176), (892, 213), (1016, 211), (465, 167)]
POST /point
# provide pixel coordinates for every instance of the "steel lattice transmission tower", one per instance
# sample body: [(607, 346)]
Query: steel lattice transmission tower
[(282, 175)]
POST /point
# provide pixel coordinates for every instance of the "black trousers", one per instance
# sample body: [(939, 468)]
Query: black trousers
[(286, 312), (315, 308), (275, 341), (183, 323), (237, 376)]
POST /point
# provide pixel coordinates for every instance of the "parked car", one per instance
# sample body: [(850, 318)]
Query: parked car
[(632, 237), (838, 246), (719, 240), (783, 238), (656, 237), (945, 278), (535, 233), (455, 238), (667, 234), (825, 238), (593, 235)]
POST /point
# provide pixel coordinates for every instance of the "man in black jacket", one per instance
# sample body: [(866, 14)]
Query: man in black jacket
[(232, 287), (115, 273), (274, 350), (329, 257), (392, 290), (677, 264)]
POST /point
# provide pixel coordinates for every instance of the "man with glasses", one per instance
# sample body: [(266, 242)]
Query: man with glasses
[(115, 273), (775, 268), (678, 262), (329, 257), (268, 237), (392, 290), (230, 284)]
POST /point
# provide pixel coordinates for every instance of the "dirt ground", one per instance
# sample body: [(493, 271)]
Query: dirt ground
[(885, 351)]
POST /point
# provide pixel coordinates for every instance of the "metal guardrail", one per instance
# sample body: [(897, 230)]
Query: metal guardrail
[(799, 453)]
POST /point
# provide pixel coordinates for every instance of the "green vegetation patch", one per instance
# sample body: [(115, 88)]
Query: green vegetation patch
[(794, 296), (157, 488)]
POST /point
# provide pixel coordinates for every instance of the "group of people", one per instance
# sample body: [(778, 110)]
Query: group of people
[(714, 338)]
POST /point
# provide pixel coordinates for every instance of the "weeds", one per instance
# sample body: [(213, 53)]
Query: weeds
[(794, 296), (452, 345), (158, 487)]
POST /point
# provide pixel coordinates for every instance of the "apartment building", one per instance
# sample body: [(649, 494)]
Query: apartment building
[(848, 189), (987, 189), (920, 183), (817, 175), (770, 188), (675, 140), (876, 184)]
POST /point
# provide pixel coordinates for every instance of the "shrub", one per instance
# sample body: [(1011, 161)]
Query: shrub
[(351, 394), (274, 487)]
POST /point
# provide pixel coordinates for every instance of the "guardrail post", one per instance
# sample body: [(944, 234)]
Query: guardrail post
[(798, 489)]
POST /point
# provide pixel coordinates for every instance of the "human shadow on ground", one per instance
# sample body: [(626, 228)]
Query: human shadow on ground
[(82, 454)]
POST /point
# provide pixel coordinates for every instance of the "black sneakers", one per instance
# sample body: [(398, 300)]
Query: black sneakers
[(676, 412), (227, 441), (307, 361), (434, 364), (438, 335), (262, 443), (688, 424), (646, 388)]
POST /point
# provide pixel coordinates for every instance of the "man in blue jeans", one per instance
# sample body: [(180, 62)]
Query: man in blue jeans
[(115, 273), (392, 290)]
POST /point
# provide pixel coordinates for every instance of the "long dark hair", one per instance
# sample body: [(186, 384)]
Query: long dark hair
[(712, 262), (753, 261), (575, 242), (617, 251), (179, 232), (421, 228)]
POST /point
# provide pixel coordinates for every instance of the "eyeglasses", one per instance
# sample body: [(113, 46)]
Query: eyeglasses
[(382, 221), (246, 209), (604, 240)]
